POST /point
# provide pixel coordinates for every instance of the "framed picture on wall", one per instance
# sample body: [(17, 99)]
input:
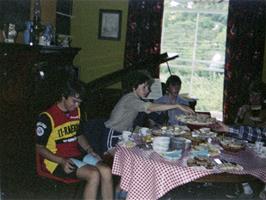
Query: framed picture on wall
[(110, 24)]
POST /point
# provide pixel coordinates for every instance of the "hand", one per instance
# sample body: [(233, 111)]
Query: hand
[(89, 149), (186, 109), (220, 127), (242, 111), (68, 166)]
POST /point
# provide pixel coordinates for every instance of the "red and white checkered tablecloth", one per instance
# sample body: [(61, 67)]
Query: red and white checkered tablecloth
[(146, 175)]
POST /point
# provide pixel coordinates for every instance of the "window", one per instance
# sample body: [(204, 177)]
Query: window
[(196, 31)]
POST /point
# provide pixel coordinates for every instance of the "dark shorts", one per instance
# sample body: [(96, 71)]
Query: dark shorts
[(110, 138), (59, 172)]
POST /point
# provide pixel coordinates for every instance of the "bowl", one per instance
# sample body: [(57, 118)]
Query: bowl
[(160, 149), (161, 139), (161, 144)]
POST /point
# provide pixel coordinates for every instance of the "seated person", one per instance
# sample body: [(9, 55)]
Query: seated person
[(126, 110), (59, 143), (173, 86), (251, 134), (253, 113)]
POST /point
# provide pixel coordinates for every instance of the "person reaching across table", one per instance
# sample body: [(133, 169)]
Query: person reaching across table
[(58, 142), (173, 86), (128, 107), (251, 134), (248, 133)]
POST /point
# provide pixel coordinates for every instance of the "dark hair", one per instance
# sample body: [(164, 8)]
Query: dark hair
[(72, 88), (173, 80), (136, 78), (256, 86)]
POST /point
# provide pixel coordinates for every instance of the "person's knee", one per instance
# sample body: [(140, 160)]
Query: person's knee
[(106, 172), (90, 174), (93, 175)]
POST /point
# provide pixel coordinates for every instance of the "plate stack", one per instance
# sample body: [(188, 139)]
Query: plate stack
[(161, 144)]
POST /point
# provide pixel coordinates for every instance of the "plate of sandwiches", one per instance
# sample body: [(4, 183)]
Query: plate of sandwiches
[(197, 120)]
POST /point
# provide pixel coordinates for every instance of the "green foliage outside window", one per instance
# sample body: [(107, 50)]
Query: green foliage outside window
[(196, 31)]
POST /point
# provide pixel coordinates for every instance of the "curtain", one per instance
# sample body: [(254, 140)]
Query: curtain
[(244, 52), (143, 37)]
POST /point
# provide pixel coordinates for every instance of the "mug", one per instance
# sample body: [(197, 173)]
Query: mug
[(125, 135), (144, 131)]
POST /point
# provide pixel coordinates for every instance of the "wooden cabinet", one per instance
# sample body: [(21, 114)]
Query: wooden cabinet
[(27, 77), (28, 73), (27, 87)]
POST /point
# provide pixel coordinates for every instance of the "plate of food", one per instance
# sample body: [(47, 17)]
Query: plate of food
[(229, 167), (197, 120), (200, 161), (232, 144), (170, 130), (213, 150)]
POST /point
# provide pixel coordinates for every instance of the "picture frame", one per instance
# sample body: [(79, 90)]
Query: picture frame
[(110, 24)]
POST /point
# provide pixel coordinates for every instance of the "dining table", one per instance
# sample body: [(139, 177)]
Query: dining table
[(145, 174)]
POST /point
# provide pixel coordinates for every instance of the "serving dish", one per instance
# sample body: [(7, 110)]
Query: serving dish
[(197, 120), (232, 144)]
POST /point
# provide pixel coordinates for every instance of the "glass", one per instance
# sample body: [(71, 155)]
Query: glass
[(258, 147), (147, 138)]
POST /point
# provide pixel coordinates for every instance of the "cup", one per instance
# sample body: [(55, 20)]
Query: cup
[(259, 146), (125, 135), (144, 131), (147, 138)]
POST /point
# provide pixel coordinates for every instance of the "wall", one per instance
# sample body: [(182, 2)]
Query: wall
[(97, 57)]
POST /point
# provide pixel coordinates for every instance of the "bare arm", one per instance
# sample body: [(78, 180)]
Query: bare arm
[(84, 143), (220, 127), (154, 107), (66, 163)]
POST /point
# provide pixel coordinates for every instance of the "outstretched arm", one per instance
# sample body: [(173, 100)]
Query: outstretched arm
[(220, 127), (154, 107), (251, 134)]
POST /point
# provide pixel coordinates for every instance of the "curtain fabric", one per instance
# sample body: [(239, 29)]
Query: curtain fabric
[(144, 34), (244, 52)]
